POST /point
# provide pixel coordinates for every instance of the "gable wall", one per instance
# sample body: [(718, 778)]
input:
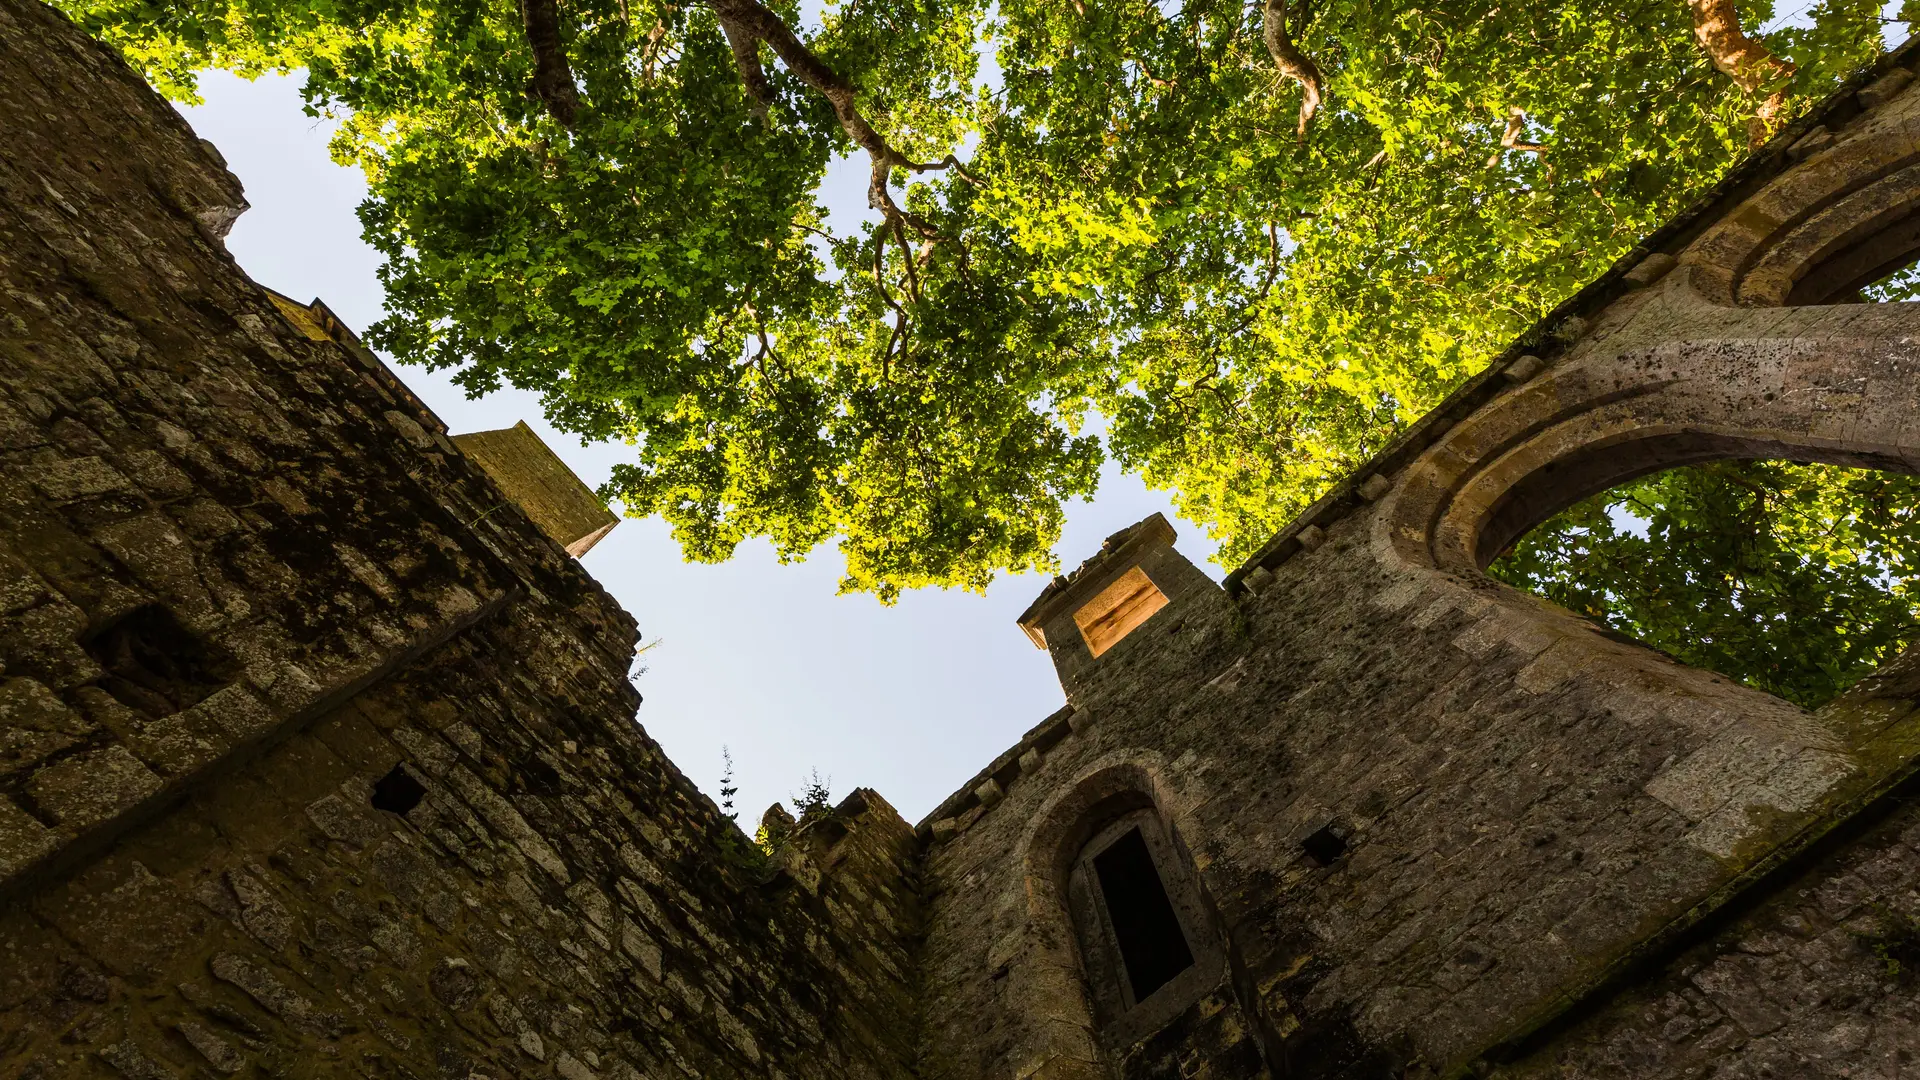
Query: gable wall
[(1537, 814)]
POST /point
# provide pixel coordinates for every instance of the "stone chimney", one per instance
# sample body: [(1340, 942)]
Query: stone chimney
[(1137, 581), (534, 477)]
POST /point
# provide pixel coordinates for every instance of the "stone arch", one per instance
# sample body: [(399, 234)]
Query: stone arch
[(1848, 409), (1716, 359), (1839, 385), (1736, 354), (1841, 219)]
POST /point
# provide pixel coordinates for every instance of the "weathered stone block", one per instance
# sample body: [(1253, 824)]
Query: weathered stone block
[(89, 788), (162, 560), (68, 479), (22, 840), (44, 642), (34, 725), (236, 712)]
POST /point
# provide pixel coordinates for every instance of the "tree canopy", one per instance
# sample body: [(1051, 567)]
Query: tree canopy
[(1232, 246), (1250, 240)]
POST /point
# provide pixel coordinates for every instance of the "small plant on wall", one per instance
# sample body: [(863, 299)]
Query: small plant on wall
[(816, 799)]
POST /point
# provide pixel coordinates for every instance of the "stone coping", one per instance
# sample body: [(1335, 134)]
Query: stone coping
[(1063, 592)]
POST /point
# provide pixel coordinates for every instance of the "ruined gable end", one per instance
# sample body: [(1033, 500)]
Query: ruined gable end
[(317, 745)]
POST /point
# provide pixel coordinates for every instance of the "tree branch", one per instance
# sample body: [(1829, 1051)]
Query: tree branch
[(906, 260), (552, 83), (647, 55), (1516, 123), (746, 58), (766, 346), (1716, 25), (1292, 63), (900, 314), (752, 20)]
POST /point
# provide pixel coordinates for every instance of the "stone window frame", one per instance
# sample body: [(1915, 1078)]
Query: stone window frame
[(1118, 1018)]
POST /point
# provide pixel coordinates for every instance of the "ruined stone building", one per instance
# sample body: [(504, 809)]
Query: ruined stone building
[(318, 753)]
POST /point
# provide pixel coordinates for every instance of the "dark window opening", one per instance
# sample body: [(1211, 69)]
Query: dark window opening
[(540, 778), (398, 791), (1324, 846), (156, 666), (1152, 946), (1796, 579)]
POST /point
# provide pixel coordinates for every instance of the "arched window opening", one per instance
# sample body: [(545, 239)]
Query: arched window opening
[(1153, 948), (1899, 286), (1876, 268), (1145, 937), (1796, 579)]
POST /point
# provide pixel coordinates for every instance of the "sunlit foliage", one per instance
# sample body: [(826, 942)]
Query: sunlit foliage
[(1125, 224), (1795, 579)]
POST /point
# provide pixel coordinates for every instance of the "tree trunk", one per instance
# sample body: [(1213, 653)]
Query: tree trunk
[(552, 76)]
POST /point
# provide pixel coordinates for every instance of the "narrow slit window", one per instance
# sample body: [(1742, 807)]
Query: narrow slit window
[(1153, 949)]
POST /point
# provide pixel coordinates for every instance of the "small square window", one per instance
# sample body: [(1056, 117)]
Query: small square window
[(398, 792), (1118, 610), (1325, 846)]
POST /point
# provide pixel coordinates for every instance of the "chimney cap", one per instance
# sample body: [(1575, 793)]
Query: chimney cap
[(1064, 591)]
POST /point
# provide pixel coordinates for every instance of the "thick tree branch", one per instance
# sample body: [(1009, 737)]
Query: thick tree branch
[(1147, 73), (752, 21), (1516, 123), (766, 345), (1292, 63), (746, 57), (552, 83), (1716, 25)]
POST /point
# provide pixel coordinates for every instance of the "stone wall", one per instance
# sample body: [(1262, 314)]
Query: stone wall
[(309, 763), (559, 900), (1815, 980)]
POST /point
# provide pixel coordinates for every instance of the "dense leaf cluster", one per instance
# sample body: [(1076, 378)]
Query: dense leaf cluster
[(1126, 225)]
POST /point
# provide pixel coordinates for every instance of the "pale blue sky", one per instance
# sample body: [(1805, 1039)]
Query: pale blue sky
[(910, 700)]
